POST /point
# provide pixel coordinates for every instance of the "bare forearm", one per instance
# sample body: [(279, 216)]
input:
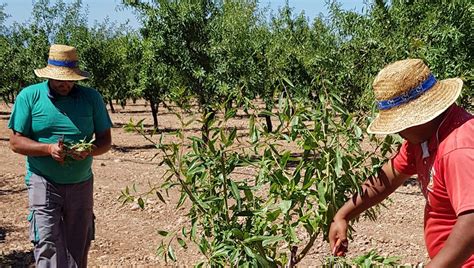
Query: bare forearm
[(374, 191), (459, 246), (26, 146)]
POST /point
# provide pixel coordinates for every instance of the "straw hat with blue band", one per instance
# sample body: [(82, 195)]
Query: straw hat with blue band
[(408, 94), (62, 65)]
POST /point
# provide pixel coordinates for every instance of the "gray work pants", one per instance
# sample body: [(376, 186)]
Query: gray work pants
[(61, 222)]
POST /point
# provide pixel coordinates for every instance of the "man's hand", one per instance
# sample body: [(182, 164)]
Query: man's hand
[(338, 237), (57, 152)]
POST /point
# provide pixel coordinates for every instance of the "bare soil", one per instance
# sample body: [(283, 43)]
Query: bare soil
[(127, 235)]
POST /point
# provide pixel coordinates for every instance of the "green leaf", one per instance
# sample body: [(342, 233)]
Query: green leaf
[(160, 251), (232, 136), (199, 265), (256, 238), (203, 245), (262, 261), (292, 234), (193, 231), (288, 81), (285, 205), (230, 113), (238, 233), (284, 159), (249, 252), (358, 132), (272, 240), (338, 167), (272, 216), (163, 233), (171, 253), (160, 197), (182, 198), (235, 192), (322, 99), (141, 203), (223, 136), (182, 243)]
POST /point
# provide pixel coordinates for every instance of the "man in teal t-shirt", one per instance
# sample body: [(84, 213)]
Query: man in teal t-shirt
[(45, 117)]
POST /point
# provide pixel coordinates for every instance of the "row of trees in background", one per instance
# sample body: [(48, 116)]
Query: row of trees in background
[(210, 51)]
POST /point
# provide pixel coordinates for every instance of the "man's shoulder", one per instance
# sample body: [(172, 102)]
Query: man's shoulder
[(90, 94), (88, 91), (32, 94), (33, 89), (459, 139)]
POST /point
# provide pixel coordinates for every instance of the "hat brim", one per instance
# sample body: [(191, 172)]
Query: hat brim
[(418, 111), (61, 73)]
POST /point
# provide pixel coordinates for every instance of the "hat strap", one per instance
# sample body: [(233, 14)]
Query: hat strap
[(408, 96), (62, 63)]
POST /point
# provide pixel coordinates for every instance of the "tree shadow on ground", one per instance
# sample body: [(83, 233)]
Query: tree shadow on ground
[(133, 112), (14, 258), (123, 112), (125, 149), (17, 259), (3, 233), (11, 191)]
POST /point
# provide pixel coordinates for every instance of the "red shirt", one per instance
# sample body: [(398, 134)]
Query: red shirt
[(445, 175)]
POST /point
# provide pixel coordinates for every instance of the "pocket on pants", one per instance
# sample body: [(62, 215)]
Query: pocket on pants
[(37, 190), (33, 232)]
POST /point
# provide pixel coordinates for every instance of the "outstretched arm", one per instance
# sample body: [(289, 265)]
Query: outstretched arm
[(374, 190)]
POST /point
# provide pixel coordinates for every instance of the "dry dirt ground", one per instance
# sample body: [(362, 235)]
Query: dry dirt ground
[(127, 236)]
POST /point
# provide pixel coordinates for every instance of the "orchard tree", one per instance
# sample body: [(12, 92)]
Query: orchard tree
[(441, 34), (26, 49), (103, 55), (156, 77), (234, 32), (182, 30), (58, 19)]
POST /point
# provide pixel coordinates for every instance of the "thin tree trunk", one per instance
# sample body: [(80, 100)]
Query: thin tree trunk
[(228, 106), (154, 112), (268, 119), (111, 104)]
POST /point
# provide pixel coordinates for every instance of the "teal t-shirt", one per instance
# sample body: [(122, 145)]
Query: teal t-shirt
[(45, 117)]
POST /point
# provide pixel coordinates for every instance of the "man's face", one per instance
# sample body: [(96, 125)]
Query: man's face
[(417, 134), (410, 135), (61, 87)]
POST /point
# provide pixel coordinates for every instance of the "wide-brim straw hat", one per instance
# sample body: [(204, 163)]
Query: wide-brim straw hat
[(408, 95), (62, 65)]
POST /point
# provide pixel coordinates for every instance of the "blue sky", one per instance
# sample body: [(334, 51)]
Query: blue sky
[(20, 10)]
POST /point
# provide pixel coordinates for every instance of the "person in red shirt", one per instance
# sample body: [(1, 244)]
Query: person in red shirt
[(438, 147)]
